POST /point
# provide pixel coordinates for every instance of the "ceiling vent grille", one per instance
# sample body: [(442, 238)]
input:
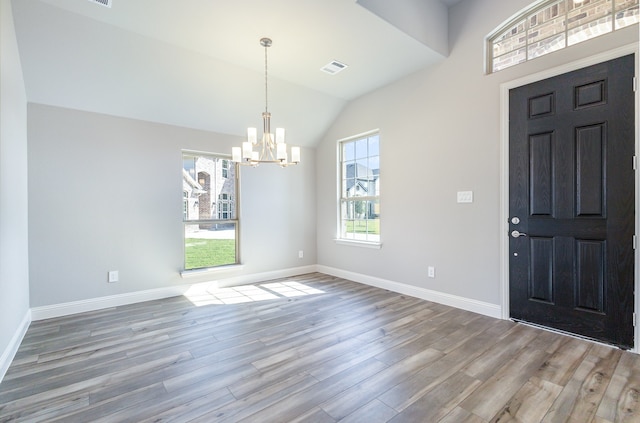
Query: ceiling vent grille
[(105, 3), (333, 67)]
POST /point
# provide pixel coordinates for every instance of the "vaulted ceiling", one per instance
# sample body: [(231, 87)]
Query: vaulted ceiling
[(199, 64)]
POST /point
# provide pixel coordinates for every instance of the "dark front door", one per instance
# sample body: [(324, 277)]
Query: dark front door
[(572, 204)]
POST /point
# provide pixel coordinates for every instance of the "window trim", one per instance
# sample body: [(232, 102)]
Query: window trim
[(237, 220), (526, 14), (338, 234)]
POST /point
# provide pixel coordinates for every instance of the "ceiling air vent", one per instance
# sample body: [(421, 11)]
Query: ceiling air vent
[(105, 3), (333, 67)]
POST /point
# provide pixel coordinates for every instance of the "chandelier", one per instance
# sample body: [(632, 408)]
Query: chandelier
[(267, 149)]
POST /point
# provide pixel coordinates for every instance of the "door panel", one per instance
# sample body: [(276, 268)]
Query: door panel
[(572, 187), (590, 265), (541, 159), (590, 170), (541, 281)]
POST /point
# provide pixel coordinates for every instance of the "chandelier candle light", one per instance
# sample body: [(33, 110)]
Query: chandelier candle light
[(268, 149)]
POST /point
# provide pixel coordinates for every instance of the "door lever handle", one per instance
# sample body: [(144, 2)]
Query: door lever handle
[(517, 234)]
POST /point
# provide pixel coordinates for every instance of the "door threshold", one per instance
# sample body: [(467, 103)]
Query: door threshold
[(572, 335)]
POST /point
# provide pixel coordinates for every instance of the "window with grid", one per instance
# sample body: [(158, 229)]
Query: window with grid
[(226, 206), (552, 25), (210, 217), (225, 168), (360, 188)]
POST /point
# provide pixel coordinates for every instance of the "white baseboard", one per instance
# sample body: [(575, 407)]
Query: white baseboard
[(65, 309), (10, 352), (82, 306), (266, 276), (480, 307)]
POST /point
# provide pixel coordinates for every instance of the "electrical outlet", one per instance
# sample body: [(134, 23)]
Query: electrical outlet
[(113, 276), (465, 196), (431, 272), (300, 254)]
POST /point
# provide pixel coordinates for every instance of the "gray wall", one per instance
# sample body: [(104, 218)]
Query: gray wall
[(14, 262), (106, 194), (440, 133)]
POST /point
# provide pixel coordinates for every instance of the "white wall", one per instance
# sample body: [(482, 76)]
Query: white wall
[(106, 194), (440, 133), (14, 262), (424, 20)]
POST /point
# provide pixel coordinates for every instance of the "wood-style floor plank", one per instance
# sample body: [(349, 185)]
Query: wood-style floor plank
[(531, 403), (311, 348), (621, 402)]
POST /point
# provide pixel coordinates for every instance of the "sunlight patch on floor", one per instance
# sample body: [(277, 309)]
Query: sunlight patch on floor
[(201, 295), (291, 289)]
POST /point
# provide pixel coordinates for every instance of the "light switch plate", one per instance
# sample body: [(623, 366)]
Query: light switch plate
[(465, 196)]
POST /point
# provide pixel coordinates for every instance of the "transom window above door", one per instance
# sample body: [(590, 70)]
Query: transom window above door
[(552, 25)]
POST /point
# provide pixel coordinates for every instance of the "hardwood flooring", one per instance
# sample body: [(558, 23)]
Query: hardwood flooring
[(312, 348)]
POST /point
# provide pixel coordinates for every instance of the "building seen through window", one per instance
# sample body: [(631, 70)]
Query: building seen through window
[(360, 188), (552, 25), (209, 186)]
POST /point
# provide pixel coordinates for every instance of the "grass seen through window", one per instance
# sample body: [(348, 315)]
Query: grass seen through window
[(200, 253), (371, 226)]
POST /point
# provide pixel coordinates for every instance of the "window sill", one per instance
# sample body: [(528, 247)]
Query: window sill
[(210, 270), (363, 244)]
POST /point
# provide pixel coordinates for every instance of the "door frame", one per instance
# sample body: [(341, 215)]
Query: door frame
[(504, 168)]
